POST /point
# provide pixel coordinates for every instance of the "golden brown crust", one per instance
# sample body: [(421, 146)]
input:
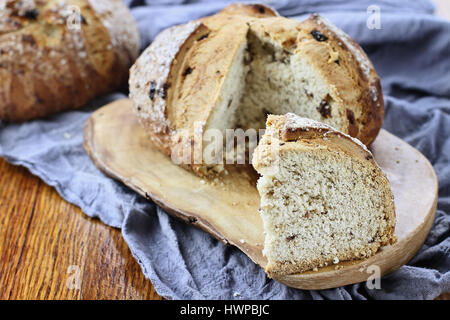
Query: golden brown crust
[(366, 120), (343, 64), (152, 79), (48, 63), (256, 10)]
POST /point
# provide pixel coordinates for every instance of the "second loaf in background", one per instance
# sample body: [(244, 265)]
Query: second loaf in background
[(56, 55)]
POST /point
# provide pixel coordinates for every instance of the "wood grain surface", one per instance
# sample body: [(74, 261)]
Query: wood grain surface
[(49, 249)]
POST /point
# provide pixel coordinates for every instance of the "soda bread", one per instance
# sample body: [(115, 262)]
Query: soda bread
[(231, 69), (59, 54), (323, 197)]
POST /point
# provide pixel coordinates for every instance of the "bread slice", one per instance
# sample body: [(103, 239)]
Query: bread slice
[(323, 197), (231, 69)]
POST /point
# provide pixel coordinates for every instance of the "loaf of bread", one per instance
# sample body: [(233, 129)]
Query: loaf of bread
[(59, 54), (323, 197), (231, 69)]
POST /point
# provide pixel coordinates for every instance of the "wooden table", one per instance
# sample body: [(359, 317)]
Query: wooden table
[(49, 249)]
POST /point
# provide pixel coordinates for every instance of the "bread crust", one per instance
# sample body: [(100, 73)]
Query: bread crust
[(152, 77), (48, 64), (366, 120), (169, 119), (303, 135)]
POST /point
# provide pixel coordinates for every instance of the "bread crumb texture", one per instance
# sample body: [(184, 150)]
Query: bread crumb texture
[(327, 202)]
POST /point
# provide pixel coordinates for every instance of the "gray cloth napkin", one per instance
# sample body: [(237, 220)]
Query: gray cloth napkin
[(411, 52)]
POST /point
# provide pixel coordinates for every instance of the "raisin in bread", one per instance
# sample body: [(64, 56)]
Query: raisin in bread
[(57, 55), (231, 69), (323, 197)]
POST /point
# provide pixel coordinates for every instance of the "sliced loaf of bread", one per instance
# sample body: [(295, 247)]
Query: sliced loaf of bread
[(324, 199), (231, 69)]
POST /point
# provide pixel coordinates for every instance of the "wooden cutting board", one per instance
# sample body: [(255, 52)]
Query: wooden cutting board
[(228, 209)]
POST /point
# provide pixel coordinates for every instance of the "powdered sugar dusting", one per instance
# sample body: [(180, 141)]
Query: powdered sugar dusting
[(374, 94), (294, 121), (153, 68), (123, 34)]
